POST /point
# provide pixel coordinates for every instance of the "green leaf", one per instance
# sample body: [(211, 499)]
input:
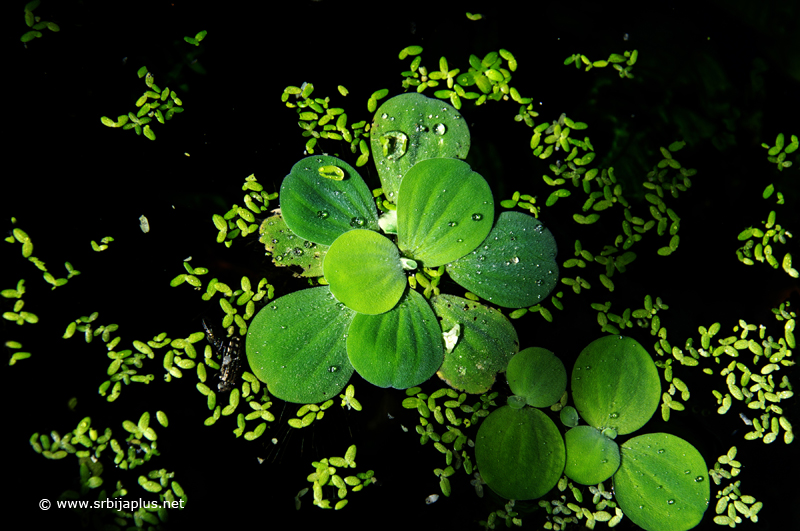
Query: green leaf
[(289, 249), (409, 128), (400, 348), (515, 265), (319, 209), (591, 456), (486, 343), (364, 271), (520, 453), (444, 211), (662, 483), (615, 384), (537, 375), (295, 344)]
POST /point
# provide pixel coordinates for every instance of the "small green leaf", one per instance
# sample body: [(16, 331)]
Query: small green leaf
[(364, 271), (445, 210), (400, 348)]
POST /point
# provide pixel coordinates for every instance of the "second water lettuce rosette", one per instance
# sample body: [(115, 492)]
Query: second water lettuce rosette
[(306, 345)]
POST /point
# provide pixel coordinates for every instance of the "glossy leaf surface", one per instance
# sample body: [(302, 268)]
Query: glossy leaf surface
[(409, 128), (364, 271), (487, 341), (319, 209), (615, 384), (591, 456), (514, 266), (445, 210), (520, 453), (662, 483), (537, 375), (296, 345), (400, 348)]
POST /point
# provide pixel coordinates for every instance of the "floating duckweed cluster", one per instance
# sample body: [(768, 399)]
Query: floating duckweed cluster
[(36, 23), (325, 475), (333, 120), (757, 245), (17, 314), (140, 446), (240, 221), (197, 38), (616, 60), (308, 413), (103, 245), (777, 153), (163, 100), (446, 415), (507, 515), (732, 506), (608, 193), (573, 512)]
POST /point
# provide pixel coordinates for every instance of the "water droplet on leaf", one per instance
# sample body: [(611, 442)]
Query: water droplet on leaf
[(394, 144), (477, 217)]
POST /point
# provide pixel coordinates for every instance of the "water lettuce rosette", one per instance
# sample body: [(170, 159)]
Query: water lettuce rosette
[(371, 318)]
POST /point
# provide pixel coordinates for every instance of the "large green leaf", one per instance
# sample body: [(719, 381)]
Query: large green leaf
[(364, 271), (318, 208), (520, 453), (296, 345), (514, 267), (537, 375), (591, 456), (444, 211), (400, 348), (486, 342), (615, 384), (662, 483), (409, 128)]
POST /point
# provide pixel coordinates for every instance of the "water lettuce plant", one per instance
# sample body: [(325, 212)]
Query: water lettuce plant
[(439, 218), (660, 480)]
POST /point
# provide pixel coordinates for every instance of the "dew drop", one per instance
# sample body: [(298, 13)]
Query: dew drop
[(274, 240), (670, 502), (357, 222), (440, 129), (384, 116), (453, 223), (332, 172), (660, 451), (477, 217), (308, 245), (279, 258), (298, 251), (698, 479), (394, 144), (459, 240), (333, 368)]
